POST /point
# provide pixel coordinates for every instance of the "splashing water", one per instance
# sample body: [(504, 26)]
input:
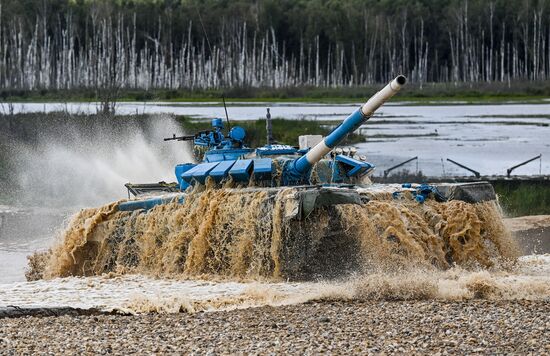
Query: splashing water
[(77, 161), (130, 293), (247, 233)]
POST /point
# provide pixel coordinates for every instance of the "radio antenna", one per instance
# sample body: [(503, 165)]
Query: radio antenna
[(226, 116)]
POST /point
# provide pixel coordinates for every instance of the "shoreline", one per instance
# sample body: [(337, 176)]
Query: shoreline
[(527, 92), (210, 101)]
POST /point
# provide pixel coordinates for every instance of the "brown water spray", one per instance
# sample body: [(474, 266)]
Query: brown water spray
[(247, 234)]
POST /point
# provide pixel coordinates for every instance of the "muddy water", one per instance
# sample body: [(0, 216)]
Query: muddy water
[(244, 233), (529, 279), (23, 231)]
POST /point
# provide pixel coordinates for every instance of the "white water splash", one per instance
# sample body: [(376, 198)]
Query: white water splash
[(91, 166)]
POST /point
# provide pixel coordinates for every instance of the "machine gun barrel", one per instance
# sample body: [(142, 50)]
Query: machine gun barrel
[(180, 138), (350, 124)]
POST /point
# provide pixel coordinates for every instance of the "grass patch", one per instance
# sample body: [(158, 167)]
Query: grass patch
[(520, 198), (284, 131)]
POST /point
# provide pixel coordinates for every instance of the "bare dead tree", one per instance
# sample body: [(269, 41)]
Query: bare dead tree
[(109, 51)]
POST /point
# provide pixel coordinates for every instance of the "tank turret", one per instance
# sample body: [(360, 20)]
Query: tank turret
[(229, 158), (221, 158)]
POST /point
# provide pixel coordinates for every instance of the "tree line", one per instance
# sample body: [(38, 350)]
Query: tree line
[(194, 44)]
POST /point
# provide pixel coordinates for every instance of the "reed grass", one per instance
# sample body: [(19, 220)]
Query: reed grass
[(520, 198)]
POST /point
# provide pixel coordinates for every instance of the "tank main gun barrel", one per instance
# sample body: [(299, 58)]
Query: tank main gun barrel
[(350, 124)]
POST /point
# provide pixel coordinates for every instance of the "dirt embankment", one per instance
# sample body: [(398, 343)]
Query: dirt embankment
[(532, 232)]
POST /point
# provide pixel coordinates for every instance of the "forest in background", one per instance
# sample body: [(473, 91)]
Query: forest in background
[(197, 45)]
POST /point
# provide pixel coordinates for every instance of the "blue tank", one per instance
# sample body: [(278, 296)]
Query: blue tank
[(303, 213)]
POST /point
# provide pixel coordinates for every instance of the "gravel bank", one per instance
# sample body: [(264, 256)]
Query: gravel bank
[(487, 327)]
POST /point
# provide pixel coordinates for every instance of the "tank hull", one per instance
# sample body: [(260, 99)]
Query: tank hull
[(297, 233)]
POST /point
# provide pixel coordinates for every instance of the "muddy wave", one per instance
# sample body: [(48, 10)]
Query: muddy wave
[(254, 234)]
